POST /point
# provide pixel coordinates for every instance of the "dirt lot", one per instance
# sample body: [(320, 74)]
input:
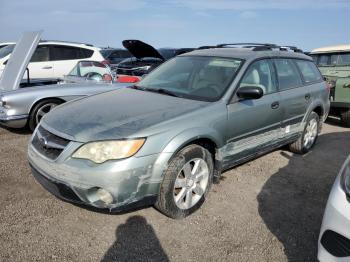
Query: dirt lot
[(269, 209)]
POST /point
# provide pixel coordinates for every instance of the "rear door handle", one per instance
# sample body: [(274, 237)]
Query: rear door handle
[(275, 105), (307, 96), (47, 67)]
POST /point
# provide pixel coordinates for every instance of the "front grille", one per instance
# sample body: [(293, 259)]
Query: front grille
[(48, 144), (336, 244), (58, 189)]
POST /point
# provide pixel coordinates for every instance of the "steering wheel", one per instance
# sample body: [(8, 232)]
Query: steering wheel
[(93, 76)]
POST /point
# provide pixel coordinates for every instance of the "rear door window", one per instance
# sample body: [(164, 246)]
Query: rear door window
[(309, 71), (60, 52), (287, 74), (41, 54)]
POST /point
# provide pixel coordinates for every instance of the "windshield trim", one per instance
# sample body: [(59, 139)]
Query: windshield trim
[(200, 98)]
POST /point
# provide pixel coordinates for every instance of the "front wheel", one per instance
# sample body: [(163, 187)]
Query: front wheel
[(309, 136), (186, 182)]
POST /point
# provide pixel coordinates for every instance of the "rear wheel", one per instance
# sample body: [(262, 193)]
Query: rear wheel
[(186, 182), (308, 137), (41, 109), (345, 117)]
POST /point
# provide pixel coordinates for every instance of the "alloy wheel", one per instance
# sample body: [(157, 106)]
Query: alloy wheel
[(191, 183), (311, 133), (43, 111)]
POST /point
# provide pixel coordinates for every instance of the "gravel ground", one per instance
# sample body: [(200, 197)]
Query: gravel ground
[(269, 209)]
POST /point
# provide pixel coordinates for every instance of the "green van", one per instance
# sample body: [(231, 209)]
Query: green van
[(334, 64)]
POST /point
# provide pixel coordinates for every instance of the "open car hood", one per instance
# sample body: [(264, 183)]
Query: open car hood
[(16, 65), (140, 49)]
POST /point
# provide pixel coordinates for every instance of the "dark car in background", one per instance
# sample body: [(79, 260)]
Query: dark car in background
[(115, 55), (146, 58)]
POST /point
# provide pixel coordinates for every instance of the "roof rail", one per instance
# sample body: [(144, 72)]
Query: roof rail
[(246, 44), (68, 42), (261, 47)]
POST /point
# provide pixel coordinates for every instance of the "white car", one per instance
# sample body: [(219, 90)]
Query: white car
[(334, 240), (54, 59)]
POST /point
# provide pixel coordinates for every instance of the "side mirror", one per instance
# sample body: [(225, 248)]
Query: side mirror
[(250, 92)]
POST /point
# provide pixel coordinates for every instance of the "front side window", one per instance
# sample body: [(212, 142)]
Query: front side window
[(41, 54), (260, 74), (309, 71), (287, 74), (5, 51), (193, 77)]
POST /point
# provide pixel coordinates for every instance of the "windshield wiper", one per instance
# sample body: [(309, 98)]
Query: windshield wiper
[(136, 87), (155, 90), (162, 91)]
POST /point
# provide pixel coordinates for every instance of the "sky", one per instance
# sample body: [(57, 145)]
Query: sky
[(307, 24)]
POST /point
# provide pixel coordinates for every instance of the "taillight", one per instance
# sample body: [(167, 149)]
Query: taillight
[(328, 86), (106, 62)]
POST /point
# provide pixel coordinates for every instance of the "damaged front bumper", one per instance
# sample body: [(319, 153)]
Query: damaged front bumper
[(124, 184)]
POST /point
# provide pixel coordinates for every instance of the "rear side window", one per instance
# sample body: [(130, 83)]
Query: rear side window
[(59, 52), (333, 59), (41, 54), (309, 71), (342, 59), (287, 74)]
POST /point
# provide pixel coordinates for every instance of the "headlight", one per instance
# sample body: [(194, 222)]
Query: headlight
[(100, 152), (345, 176)]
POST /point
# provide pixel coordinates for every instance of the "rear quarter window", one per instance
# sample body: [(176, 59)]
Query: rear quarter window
[(61, 52), (309, 71)]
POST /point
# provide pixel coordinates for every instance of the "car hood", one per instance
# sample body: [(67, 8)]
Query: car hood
[(140, 49), (13, 73), (117, 114)]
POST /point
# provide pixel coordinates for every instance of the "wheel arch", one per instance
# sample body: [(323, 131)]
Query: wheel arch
[(43, 99), (210, 140)]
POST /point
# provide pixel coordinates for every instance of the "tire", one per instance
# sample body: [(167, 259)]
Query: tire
[(189, 190), (345, 118), (39, 110), (301, 146)]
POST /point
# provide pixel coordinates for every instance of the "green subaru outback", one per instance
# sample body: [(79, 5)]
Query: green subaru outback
[(334, 64), (166, 139)]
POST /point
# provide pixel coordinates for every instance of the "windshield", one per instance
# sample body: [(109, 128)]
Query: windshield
[(92, 70), (6, 50), (193, 77)]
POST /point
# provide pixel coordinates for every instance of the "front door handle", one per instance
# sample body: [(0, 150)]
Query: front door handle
[(275, 105), (307, 96), (47, 67)]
